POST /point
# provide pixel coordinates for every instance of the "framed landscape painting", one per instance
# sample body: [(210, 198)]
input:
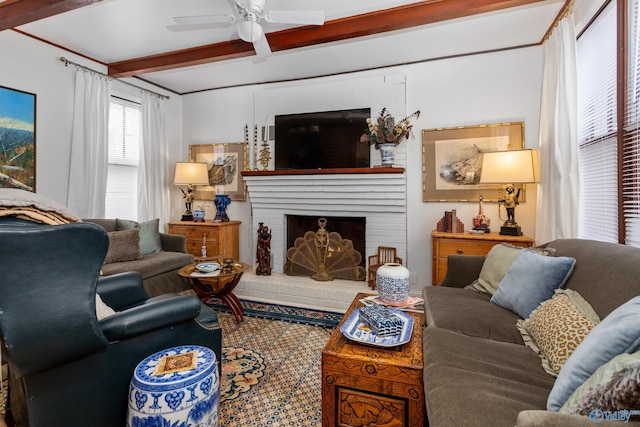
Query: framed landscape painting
[(224, 162), (17, 139), (452, 160)]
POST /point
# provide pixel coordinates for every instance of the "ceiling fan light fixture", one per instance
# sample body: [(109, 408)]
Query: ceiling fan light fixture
[(250, 31)]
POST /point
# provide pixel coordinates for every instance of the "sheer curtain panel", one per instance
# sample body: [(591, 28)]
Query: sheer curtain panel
[(89, 145), (558, 190), (153, 186)]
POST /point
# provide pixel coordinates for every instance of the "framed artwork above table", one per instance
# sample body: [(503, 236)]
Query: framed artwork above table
[(452, 160), (224, 163)]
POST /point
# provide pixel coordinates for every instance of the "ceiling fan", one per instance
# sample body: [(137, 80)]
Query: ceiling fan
[(249, 15)]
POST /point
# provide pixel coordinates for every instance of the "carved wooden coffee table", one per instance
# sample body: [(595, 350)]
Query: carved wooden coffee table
[(366, 385)]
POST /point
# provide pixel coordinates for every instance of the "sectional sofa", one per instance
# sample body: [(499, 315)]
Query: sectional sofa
[(483, 341)]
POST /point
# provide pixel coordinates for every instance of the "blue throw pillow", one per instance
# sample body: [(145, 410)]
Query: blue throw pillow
[(532, 279), (618, 333)]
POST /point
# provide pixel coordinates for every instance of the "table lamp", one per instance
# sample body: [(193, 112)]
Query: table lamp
[(509, 168), (190, 174)]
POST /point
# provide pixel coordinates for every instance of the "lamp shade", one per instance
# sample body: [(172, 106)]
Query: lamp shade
[(509, 167), (191, 173)]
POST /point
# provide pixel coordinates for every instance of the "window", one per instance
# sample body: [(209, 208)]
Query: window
[(125, 139), (610, 210), (631, 134), (597, 128)]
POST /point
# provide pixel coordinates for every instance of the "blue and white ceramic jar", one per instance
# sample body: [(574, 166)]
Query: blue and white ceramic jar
[(393, 282), (387, 153), (179, 386)]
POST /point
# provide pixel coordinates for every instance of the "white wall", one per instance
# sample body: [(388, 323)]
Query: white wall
[(480, 89), (32, 66)]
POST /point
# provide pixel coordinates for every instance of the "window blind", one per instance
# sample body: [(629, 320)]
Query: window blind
[(597, 128), (631, 134), (125, 133)]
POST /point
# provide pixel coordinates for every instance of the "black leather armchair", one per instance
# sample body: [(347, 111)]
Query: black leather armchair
[(66, 368)]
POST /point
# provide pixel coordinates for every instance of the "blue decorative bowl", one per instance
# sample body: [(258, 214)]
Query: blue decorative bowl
[(208, 267)]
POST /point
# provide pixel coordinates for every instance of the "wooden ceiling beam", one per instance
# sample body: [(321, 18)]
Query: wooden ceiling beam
[(397, 18), (14, 13)]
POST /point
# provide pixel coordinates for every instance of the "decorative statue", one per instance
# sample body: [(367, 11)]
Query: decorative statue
[(322, 249), (188, 197), (480, 221), (263, 251), (510, 203)]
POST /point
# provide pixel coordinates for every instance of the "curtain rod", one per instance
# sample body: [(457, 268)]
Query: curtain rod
[(67, 62)]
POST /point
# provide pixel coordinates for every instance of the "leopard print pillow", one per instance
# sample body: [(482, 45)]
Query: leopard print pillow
[(557, 327)]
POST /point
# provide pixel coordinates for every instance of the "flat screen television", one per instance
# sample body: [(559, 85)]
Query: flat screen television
[(327, 139)]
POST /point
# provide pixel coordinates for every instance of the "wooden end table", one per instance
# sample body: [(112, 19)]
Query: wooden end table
[(365, 385), (220, 286)]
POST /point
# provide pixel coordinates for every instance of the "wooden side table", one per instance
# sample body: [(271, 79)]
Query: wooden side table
[(220, 286), (445, 244), (366, 385), (220, 238)]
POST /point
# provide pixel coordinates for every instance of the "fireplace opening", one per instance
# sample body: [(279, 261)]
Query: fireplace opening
[(352, 228)]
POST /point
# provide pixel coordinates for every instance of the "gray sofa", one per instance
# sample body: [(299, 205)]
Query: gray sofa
[(159, 270), (478, 371)]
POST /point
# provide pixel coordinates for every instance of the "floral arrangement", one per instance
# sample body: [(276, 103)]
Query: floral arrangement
[(385, 130)]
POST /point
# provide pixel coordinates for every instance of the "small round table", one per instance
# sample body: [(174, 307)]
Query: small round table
[(220, 286)]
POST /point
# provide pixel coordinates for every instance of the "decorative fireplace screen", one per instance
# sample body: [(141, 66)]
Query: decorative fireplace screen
[(324, 255)]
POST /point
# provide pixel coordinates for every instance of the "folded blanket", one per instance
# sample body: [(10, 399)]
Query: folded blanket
[(33, 207)]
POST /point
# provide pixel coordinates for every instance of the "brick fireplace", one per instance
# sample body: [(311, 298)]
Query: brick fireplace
[(376, 194)]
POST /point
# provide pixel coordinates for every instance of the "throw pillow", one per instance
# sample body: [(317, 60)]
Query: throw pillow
[(149, 234), (102, 309), (612, 387), (618, 333), (531, 279), (123, 246), (557, 327), (495, 265)]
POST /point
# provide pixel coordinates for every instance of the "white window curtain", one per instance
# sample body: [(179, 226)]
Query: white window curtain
[(153, 186), (89, 145), (558, 189)]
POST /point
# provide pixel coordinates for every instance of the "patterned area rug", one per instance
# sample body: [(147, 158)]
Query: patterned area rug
[(241, 369), (281, 312), (288, 389), (271, 368)]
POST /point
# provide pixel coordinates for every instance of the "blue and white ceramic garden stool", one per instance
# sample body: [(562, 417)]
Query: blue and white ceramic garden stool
[(179, 386)]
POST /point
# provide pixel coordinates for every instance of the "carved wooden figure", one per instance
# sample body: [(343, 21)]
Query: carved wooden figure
[(263, 251)]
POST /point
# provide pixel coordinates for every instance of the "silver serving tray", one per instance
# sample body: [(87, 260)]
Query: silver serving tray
[(356, 330)]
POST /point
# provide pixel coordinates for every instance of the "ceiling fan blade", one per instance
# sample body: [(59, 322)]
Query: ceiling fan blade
[(261, 46), (205, 19), (303, 17)]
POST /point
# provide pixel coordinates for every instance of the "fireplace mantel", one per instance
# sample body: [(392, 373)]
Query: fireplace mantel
[(374, 170)]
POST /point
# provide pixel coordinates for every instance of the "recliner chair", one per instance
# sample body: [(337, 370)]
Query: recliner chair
[(66, 367)]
